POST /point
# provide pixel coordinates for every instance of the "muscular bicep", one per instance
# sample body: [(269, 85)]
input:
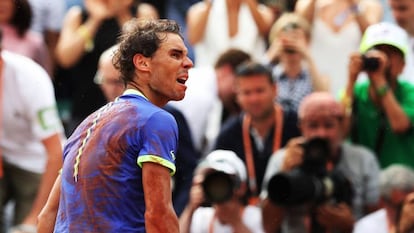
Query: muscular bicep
[(159, 213), (157, 186)]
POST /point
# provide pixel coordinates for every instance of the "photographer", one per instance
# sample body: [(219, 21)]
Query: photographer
[(382, 106), (293, 66), (397, 195), (320, 116), (220, 180)]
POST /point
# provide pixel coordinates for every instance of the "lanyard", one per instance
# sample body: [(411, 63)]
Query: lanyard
[(248, 146)]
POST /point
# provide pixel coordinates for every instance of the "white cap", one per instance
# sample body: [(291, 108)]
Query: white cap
[(228, 162), (384, 33)]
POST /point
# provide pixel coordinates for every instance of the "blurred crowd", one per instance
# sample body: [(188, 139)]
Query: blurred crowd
[(298, 114)]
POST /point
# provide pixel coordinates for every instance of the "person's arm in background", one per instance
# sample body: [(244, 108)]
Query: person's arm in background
[(319, 82), (196, 198), (47, 217), (77, 36), (306, 8), (262, 15), (53, 148), (366, 12), (197, 17), (160, 216)]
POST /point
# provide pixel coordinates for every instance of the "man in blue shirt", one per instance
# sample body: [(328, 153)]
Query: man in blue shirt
[(118, 162)]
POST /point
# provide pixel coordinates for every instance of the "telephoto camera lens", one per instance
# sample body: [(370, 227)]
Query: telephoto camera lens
[(218, 186), (310, 182)]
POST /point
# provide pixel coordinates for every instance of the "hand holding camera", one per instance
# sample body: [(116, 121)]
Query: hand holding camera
[(310, 182), (337, 217), (294, 154), (373, 62), (196, 192)]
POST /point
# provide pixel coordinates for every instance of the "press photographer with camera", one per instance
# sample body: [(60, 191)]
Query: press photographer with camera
[(381, 107), (217, 198), (318, 182)]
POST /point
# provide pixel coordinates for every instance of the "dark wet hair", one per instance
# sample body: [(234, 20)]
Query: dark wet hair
[(141, 36), (22, 17)]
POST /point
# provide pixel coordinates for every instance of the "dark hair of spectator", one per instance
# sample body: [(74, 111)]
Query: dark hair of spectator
[(22, 17), (232, 57), (141, 36), (249, 69)]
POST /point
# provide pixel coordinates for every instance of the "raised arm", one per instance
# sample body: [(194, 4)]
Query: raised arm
[(197, 17), (76, 36), (262, 15), (306, 8)]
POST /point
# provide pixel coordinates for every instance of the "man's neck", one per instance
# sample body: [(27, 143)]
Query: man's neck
[(263, 125)]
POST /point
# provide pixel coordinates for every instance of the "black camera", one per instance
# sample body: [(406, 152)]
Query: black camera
[(370, 63), (310, 182), (219, 187)]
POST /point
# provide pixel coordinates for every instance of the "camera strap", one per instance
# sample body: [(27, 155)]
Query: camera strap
[(247, 143)]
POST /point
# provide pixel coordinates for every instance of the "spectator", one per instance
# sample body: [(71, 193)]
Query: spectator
[(403, 13), (124, 154), (383, 105), (15, 20), (321, 117), (228, 212), (210, 98), (86, 34), (108, 77), (336, 29), (215, 26), (295, 72), (397, 194), (31, 135), (260, 129)]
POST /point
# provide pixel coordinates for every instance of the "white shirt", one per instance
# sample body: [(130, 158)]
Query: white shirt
[(203, 218), (216, 38), (374, 222), (29, 112)]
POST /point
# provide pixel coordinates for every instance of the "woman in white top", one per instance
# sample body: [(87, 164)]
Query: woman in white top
[(337, 28), (217, 25)]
